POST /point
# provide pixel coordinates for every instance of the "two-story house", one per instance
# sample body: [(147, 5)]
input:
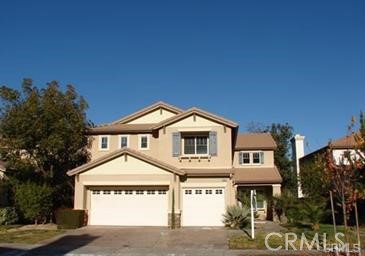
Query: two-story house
[(163, 164)]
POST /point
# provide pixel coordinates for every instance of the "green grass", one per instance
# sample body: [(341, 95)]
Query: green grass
[(28, 236), (243, 241)]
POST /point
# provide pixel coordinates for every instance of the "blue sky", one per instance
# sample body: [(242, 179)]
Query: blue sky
[(301, 62)]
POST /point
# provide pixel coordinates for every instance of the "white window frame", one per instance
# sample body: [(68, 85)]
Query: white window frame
[(195, 144), (140, 140), (251, 157), (120, 140), (100, 142)]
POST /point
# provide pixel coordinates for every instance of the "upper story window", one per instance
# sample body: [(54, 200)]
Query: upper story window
[(195, 145), (190, 144), (123, 141), (256, 157), (251, 158), (104, 142), (143, 141), (245, 158)]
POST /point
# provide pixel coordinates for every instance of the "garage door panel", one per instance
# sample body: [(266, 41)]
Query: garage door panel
[(129, 208), (203, 206)]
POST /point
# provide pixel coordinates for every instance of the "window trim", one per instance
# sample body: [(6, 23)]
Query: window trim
[(100, 142), (195, 145), (251, 157), (140, 140), (120, 140)]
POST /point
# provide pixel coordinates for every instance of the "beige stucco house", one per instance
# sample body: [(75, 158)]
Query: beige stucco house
[(164, 164)]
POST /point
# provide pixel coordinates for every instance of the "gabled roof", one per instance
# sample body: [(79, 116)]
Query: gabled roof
[(346, 142), (198, 112), (349, 141), (121, 152), (146, 110), (255, 141), (267, 175), (121, 128)]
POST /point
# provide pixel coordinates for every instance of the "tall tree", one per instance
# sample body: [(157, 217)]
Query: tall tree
[(282, 133), (43, 135)]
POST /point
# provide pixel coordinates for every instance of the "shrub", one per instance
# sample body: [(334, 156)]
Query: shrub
[(34, 201), (236, 217), (4, 193), (286, 205), (69, 218), (8, 216), (313, 212)]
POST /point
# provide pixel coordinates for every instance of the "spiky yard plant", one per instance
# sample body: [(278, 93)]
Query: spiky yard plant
[(236, 217)]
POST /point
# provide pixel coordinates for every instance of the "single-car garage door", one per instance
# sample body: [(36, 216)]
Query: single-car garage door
[(203, 206), (129, 207)]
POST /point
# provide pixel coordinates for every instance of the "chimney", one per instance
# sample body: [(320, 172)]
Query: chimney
[(298, 152)]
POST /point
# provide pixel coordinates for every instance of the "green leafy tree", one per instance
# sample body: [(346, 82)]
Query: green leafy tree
[(313, 179), (43, 135), (34, 201), (282, 133)]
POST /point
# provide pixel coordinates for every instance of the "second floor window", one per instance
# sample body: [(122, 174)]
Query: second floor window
[(195, 145), (123, 141), (104, 142), (248, 158), (143, 142)]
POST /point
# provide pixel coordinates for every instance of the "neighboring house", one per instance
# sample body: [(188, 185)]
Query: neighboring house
[(164, 164), (339, 147)]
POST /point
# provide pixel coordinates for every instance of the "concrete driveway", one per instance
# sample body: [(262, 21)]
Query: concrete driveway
[(98, 240)]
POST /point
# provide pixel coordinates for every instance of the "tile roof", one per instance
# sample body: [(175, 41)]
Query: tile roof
[(255, 141), (264, 175)]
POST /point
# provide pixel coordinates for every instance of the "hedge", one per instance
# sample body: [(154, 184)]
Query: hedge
[(8, 216), (70, 219)]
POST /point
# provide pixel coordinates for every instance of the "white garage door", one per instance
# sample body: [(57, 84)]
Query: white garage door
[(129, 207), (203, 206)]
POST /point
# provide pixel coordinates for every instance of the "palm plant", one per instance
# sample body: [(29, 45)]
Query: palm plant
[(313, 212)]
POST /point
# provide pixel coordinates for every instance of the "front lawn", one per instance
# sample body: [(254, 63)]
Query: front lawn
[(243, 241), (3, 228), (25, 236)]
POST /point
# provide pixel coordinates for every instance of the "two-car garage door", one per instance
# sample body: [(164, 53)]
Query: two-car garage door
[(129, 207)]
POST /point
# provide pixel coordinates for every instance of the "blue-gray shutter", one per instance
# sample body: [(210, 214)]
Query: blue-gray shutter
[(240, 157), (262, 161), (176, 144), (213, 143)]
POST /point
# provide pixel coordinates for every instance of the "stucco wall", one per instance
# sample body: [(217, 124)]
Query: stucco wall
[(160, 145), (224, 143)]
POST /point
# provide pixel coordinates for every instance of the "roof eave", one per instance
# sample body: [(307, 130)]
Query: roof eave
[(119, 153), (147, 110), (255, 148), (101, 132)]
